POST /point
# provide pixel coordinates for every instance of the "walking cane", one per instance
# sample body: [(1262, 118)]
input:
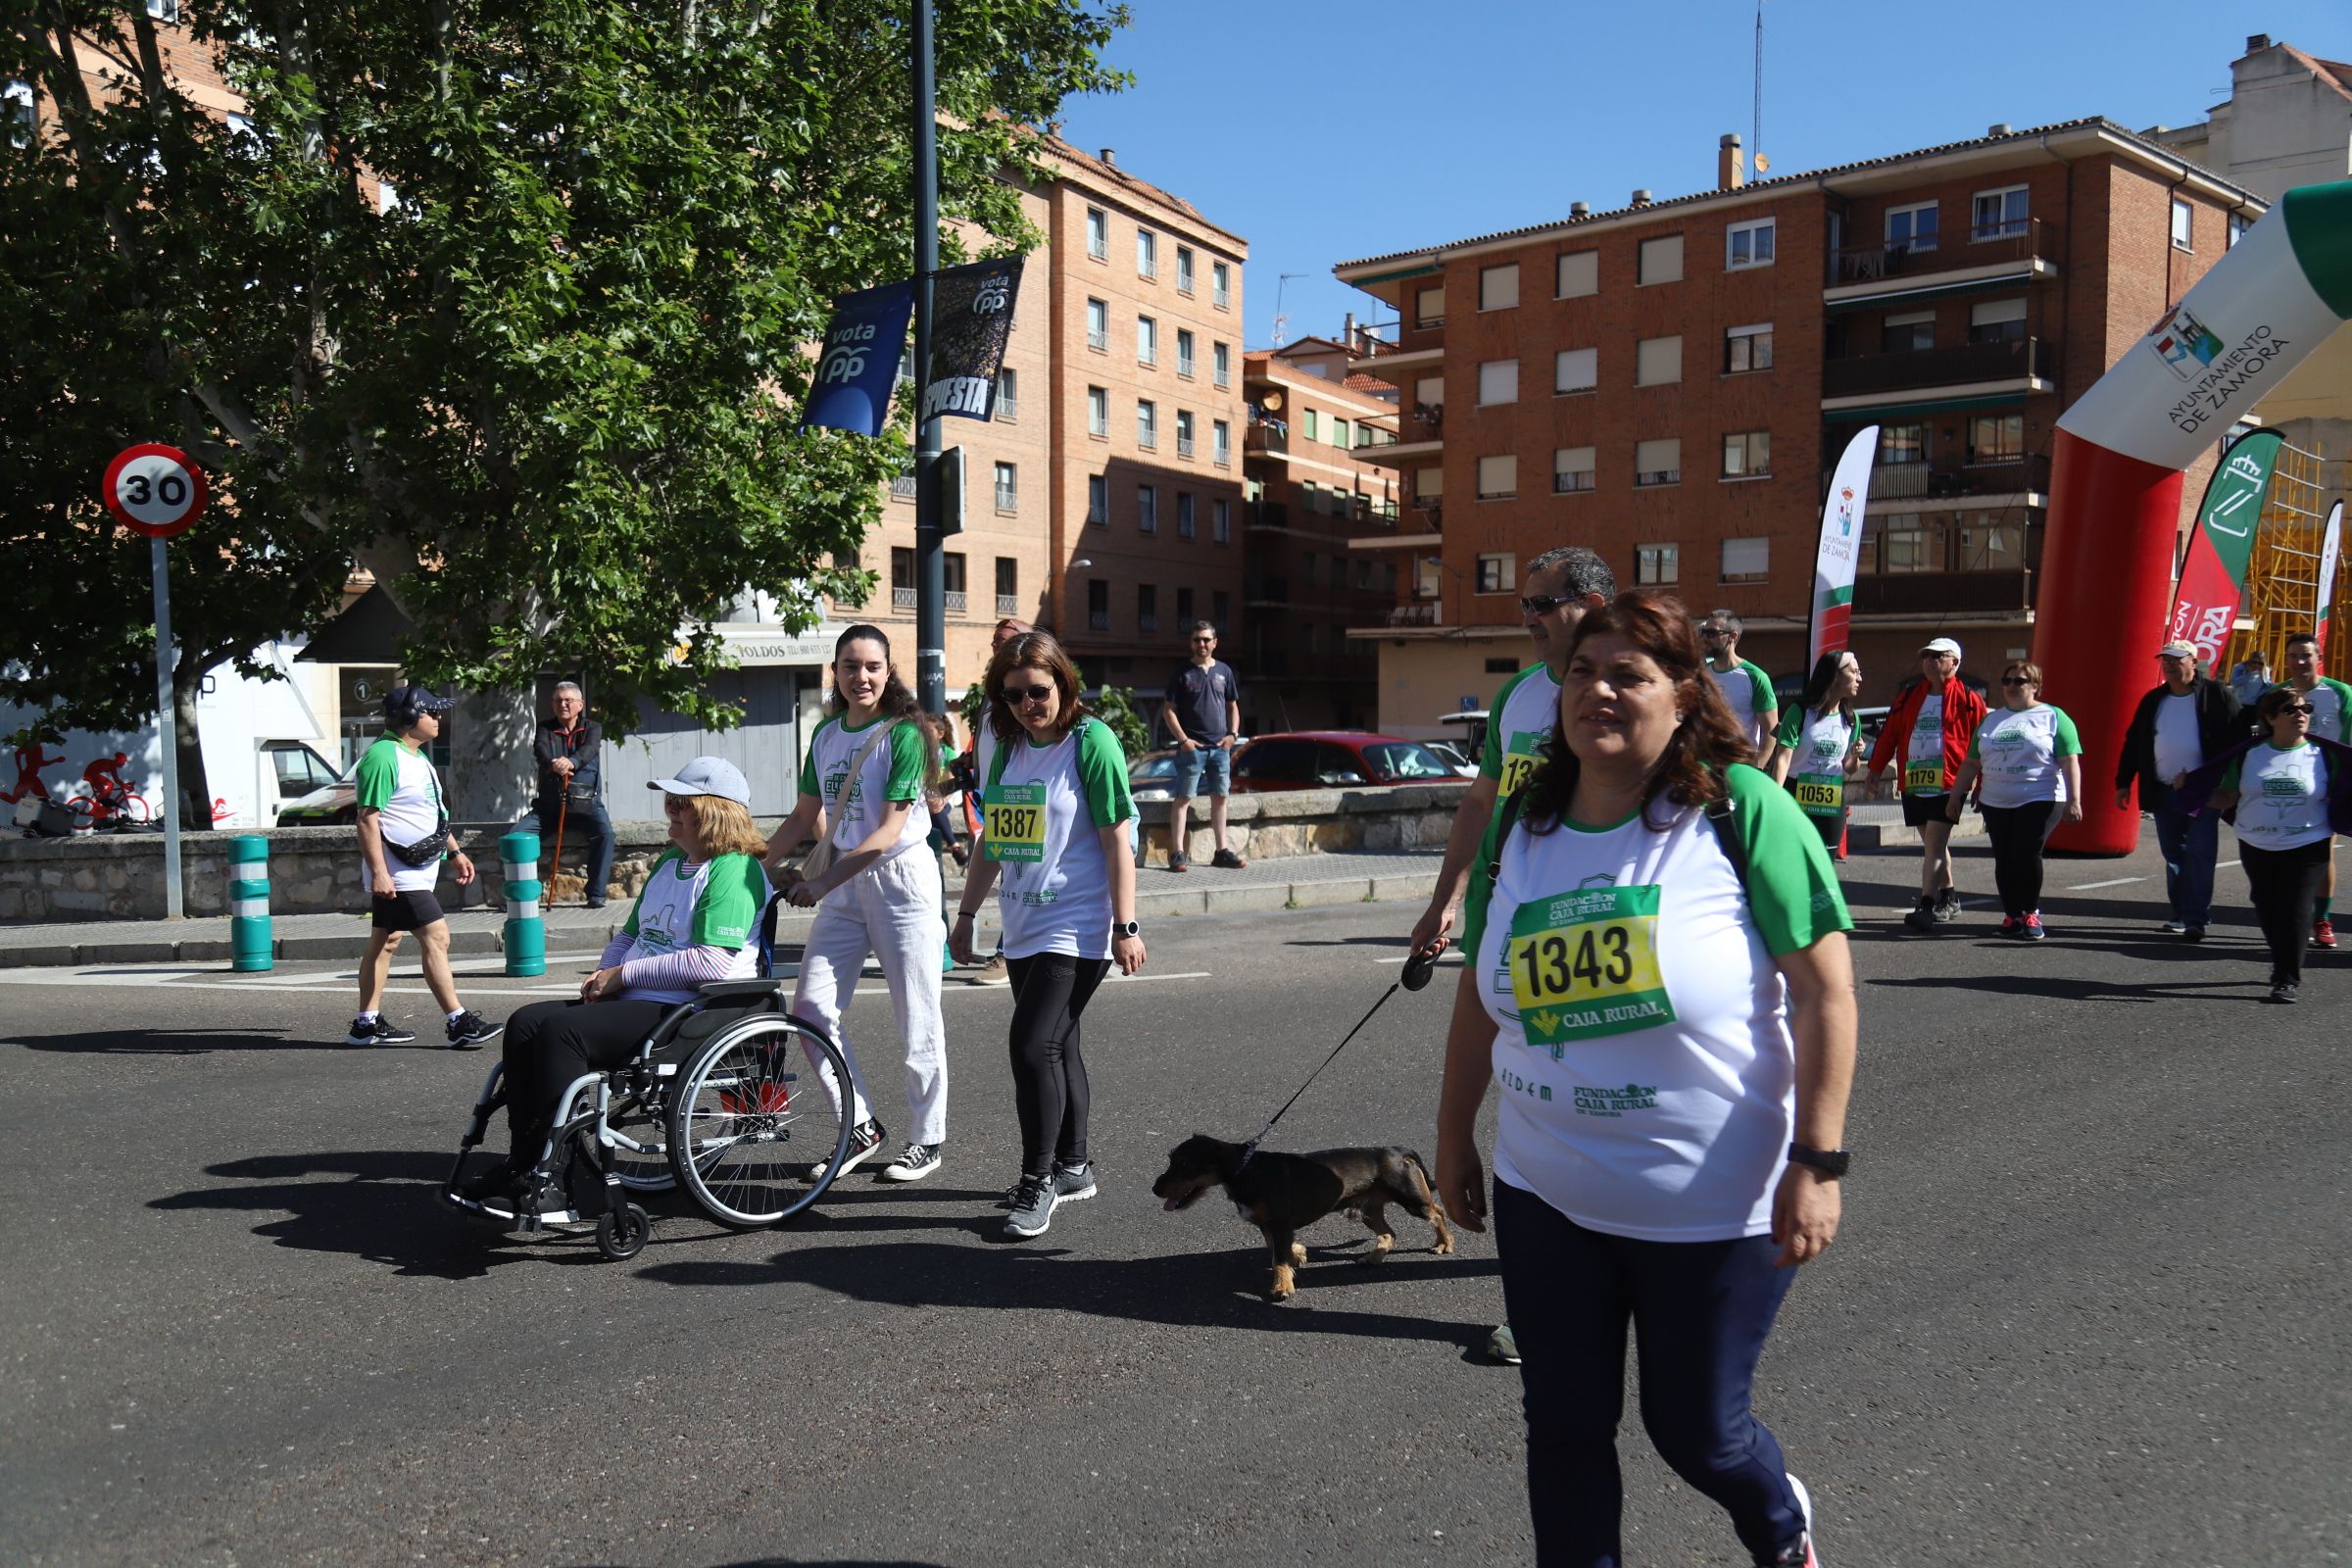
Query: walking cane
[(562, 809)]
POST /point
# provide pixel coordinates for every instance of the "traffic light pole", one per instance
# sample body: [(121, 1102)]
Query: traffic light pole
[(930, 567)]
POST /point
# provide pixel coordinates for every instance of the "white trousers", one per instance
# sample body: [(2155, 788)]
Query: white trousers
[(892, 911)]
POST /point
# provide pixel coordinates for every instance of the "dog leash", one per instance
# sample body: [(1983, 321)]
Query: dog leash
[(1417, 970)]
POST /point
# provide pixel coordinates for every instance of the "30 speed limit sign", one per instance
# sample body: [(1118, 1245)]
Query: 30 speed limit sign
[(154, 489)]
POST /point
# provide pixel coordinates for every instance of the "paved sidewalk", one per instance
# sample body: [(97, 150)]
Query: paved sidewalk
[(1296, 882)]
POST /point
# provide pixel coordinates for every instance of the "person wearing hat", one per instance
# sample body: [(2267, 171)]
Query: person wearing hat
[(2184, 720), (698, 921), (2331, 702), (1929, 727), (404, 837)]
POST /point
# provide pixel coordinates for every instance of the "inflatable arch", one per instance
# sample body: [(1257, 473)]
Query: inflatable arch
[(2116, 470)]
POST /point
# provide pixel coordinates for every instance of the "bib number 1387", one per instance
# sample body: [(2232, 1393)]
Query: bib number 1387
[(1014, 818)]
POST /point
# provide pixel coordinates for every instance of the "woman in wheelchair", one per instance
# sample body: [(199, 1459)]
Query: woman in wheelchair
[(697, 920)]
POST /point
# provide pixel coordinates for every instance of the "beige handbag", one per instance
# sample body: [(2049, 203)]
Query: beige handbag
[(821, 857)]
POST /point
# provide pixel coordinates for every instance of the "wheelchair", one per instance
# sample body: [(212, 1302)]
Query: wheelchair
[(709, 1104)]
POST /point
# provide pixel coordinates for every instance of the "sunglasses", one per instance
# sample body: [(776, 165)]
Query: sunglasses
[(2015, 680), (1029, 694), (1203, 642), (1714, 631), (2298, 708), (1544, 604)]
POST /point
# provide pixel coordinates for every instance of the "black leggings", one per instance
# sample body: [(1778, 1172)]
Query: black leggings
[(1049, 990), (549, 1043), (2018, 833), (2285, 884)]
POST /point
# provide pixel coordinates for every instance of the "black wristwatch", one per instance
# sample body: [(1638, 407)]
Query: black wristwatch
[(1831, 1163), (1126, 928)]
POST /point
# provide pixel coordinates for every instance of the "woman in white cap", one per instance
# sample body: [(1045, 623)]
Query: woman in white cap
[(1929, 727), (697, 920)]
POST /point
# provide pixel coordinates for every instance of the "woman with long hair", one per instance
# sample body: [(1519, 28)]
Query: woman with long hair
[(1660, 984), (1054, 847), (1818, 741), (2027, 763), (861, 789)]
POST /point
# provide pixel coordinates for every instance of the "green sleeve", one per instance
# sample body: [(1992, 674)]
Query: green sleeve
[(2069, 743), (1791, 723), (1482, 885), (1792, 887), (1102, 776), (378, 775), (1972, 755), (1766, 701), (733, 895), (2343, 695), (667, 856), (1489, 755), (2230, 774), (909, 764)]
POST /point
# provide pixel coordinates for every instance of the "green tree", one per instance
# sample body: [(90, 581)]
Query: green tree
[(543, 381)]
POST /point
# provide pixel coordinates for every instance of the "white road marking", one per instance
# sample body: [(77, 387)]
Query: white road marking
[(2093, 887)]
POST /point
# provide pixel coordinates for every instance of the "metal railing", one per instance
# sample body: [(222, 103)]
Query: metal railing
[(2020, 241), (1184, 446), (902, 487), (1185, 365), (1267, 438), (2010, 359), (1146, 437), (1939, 592), (1097, 340), (1009, 497), (901, 599), (1008, 604), (1420, 615), (1918, 481), (954, 600)]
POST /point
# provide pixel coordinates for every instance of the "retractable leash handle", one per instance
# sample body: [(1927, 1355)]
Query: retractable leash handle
[(1417, 970)]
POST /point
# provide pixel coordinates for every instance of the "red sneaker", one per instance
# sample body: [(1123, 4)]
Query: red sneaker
[(2323, 933)]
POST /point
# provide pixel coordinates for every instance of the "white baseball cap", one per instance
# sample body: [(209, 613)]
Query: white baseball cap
[(1941, 645), (709, 776)]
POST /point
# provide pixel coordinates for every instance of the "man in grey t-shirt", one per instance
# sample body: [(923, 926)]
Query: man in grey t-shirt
[(1203, 715)]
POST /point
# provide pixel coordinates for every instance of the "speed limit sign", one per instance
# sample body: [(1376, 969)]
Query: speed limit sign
[(154, 489)]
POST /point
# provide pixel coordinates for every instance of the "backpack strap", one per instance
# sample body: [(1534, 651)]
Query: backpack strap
[(1510, 819), (1726, 819)]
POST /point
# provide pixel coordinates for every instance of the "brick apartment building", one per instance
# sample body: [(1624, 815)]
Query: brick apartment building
[(1669, 383), (1312, 491)]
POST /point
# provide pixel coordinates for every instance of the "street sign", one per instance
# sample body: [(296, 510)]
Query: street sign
[(154, 490)]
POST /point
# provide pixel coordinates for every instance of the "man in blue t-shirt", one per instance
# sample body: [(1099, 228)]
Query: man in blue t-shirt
[(1204, 716)]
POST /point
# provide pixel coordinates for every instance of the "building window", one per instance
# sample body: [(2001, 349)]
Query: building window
[(1008, 586), (1996, 438), (1661, 261), (1220, 526), (1098, 233), (1221, 606), (1429, 486), (1220, 285), (1097, 411), (1429, 306), (1184, 268), (1657, 566), (1309, 425), (1147, 508), (1147, 254), (1184, 515), (1657, 361), (1184, 432), (1498, 573), (1909, 331), (1220, 443), (1996, 322), (1902, 443), (1426, 582), (1749, 244), (1657, 463), (2237, 228), (1146, 340), (1988, 544), (19, 109), (1008, 397), (1571, 470), (2183, 222), (1499, 287), (1997, 214), (165, 10), (951, 580), (1576, 371), (1147, 606), (1341, 436), (1308, 639), (901, 578), (1908, 544), (1306, 568), (1498, 381), (1098, 498), (1911, 227), (1748, 348), (1183, 353), (1220, 361), (1576, 274), (1746, 454), (1097, 327), (1363, 573), (1499, 477), (1097, 604), (1746, 559), (1147, 422), (1184, 607), (1008, 487)]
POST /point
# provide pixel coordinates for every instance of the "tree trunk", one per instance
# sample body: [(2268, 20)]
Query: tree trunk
[(491, 775), (195, 790)]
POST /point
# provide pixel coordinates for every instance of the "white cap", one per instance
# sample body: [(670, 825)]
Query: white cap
[(709, 776), (1941, 645)]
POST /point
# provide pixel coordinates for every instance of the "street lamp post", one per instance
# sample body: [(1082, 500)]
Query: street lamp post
[(930, 567)]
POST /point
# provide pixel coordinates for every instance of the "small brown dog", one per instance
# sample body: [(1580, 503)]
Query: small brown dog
[(1283, 1193)]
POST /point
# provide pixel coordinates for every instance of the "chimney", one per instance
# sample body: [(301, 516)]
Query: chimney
[(2001, 128), (1579, 209), (1111, 155), (1731, 163), (1346, 337), (2257, 42), (1642, 197)]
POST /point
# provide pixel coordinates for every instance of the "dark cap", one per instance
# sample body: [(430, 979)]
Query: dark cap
[(402, 704)]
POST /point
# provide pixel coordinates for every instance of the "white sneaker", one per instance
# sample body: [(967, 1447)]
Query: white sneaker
[(920, 1161), (1801, 1555)]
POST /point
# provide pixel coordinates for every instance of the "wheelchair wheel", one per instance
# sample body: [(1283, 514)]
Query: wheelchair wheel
[(620, 1234), (630, 1116), (759, 1121)]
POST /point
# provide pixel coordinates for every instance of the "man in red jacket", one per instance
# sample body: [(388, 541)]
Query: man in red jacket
[(1929, 727)]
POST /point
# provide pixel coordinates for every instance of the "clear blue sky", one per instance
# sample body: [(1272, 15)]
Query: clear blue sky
[(1324, 133)]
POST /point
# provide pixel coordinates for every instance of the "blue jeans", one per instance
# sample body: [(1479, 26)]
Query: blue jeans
[(1702, 1310), (583, 822), (2188, 845), (1207, 771)]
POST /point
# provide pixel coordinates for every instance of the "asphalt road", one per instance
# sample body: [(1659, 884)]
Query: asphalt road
[(2089, 1306)]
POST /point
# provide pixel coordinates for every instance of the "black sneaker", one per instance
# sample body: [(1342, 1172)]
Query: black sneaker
[(865, 1142), (2284, 990), (2192, 933), (1922, 918), (377, 1031), (1227, 861), (1177, 862), (918, 1162), (470, 1031), (1948, 906)]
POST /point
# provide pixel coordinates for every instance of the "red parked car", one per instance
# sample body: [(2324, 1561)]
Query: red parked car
[(1334, 759)]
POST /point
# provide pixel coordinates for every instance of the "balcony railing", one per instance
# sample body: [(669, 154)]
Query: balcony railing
[(1266, 515), (901, 599), (1098, 340), (1270, 590), (902, 488), (1009, 497), (1183, 364), (1939, 592), (1146, 437), (1870, 374), (1008, 604), (1184, 446), (1869, 264), (1267, 436), (1421, 614), (1926, 481), (954, 600)]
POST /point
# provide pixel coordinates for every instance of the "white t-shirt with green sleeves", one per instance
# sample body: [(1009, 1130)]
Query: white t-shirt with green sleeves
[(402, 785), (1525, 713), (2331, 708), (713, 903), (1818, 745), (1750, 692), (1042, 805), (894, 770), (2019, 752), (2282, 796), (1642, 1040)]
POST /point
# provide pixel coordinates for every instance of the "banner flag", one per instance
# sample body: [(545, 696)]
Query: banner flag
[(1841, 547), (971, 321), (2214, 573), (2329, 552), (859, 366)]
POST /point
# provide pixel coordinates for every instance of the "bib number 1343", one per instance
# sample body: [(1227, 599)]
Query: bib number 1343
[(1585, 965)]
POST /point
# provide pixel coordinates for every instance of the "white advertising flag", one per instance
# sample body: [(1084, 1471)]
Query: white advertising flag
[(1840, 546)]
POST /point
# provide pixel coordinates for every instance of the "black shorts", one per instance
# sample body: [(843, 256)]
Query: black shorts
[(1923, 809), (412, 911)]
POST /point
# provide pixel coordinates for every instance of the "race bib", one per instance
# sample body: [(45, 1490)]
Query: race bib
[(1015, 823), (1585, 965), (1924, 776), (1820, 793), (1526, 751)]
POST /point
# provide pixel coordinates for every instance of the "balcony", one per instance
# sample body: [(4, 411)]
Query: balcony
[(1926, 487), (1008, 499), (1008, 604), (1268, 593), (1266, 515), (1877, 272), (2015, 365), (901, 599), (1945, 593), (1269, 436), (902, 488), (1424, 614), (1184, 446), (955, 599)]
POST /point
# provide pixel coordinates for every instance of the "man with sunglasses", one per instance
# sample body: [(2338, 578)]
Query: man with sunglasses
[(2186, 719), (1203, 715), (1746, 687)]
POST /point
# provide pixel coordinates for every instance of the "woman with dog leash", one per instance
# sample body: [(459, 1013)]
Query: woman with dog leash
[(1057, 809), (1660, 985), (861, 789)]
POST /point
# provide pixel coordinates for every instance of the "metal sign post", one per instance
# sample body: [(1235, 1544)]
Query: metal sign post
[(154, 490)]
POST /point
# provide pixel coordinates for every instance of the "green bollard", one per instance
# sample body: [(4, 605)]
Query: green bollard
[(250, 947), (525, 938)]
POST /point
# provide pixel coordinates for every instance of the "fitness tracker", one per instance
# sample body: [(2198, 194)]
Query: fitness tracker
[(1126, 928), (1831, 1163)]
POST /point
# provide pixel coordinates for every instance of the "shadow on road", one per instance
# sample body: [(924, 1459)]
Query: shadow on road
[(810, 1562), (169, 1042), (2066, 988)]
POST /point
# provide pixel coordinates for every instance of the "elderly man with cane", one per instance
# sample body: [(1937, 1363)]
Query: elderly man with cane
[(571, 796)]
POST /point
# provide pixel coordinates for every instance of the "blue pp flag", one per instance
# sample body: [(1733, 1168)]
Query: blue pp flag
[(859, 366)]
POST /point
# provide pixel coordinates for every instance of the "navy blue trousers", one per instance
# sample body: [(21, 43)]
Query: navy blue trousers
[(1701, 1311)]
